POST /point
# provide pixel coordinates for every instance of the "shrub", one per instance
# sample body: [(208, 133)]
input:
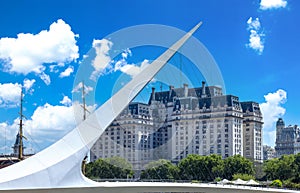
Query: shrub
[(290, 184), (218, 179), (276, 183)]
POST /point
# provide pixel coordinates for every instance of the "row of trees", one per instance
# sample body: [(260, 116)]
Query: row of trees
[(200, 168), (286, 169), (193, 167)]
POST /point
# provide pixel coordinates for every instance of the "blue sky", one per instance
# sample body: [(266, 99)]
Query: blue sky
[(43, 44)]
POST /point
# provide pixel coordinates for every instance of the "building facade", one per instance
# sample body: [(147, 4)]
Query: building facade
[(128, 136), (268, 152), (252, 131), (287, 139), (182, 121)]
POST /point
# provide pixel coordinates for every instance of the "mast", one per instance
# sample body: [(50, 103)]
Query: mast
[(83, 102), (84, 161), (20, 153)]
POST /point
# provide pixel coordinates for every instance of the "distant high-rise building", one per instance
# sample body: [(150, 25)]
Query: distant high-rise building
[(287, 139), (129, 136), (182, 121), (268, 152)]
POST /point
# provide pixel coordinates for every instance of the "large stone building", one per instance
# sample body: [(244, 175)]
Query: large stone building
[(182, 121), (129, 136), (252, 131), (287, 139)]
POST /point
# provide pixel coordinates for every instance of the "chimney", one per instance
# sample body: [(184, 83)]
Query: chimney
[(185, 90), (153, 94), (203, 90)]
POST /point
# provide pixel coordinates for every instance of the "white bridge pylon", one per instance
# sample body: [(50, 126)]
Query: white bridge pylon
[(59, 166)]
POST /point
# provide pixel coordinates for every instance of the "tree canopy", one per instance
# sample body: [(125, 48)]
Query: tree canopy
[(193, 167), (160, 169), (208, 168), (202, 168), (286, 167), (237, 165), (109, 168)]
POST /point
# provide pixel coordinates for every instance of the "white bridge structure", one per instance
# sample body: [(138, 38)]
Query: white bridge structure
[(57, 169)]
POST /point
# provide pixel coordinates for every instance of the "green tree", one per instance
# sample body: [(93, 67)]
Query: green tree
[(283, 168), (237, 165), (98, 169), (270, 167), (296, 166), (201, 168), (286, 167), (214, 167), (160, 169), (109, 168), (191, 167)]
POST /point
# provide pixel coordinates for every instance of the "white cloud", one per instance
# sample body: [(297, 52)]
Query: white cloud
[(27, 85), (104, 64), (272, 4), (10, 94), (55, 67), (269, 137), (8, 132), (255, 41), (30, 52), (48, 124), (102, 59), (130, 69), (78, 88), (253, 24), (67, 72), (66, 101), (127, 52), (256, 38), (272, 109), (45, 78)]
